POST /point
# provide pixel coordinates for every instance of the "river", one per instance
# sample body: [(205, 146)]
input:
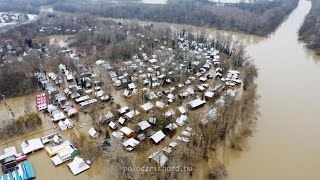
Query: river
[(286, 144)]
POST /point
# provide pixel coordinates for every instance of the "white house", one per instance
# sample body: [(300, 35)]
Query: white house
[(130, 144), (78, 165), (196, 103), (157, 137)]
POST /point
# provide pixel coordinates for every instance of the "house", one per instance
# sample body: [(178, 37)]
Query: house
[(104, 98), (196, 103), (160, 105), (181, 110), (169, 113), (157, 137), (66, 124), (147, 106), (51, 108), (93, 133), (203, 79), (57, 116), (171, 126), (65, 155), (109, 117), (159, 158), (131, 86), (78, 165), (53, 150), (82, 98), (173, 144), (122, 120), (31, 145), (184, 139), (171, 98), (181, 120), (127, 132), (113, 125), (72, 112), (10, 151), (118, 135), (132, 114), (143, 125), (130, 144), (209, 95), (152, 120), (190, 91)]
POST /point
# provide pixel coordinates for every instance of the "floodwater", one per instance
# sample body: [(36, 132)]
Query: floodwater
[(286, 144)]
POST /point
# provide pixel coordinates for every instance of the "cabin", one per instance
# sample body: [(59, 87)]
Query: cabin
[(183, 139), (160, 105), (152, 120), (209, 95), (118, 135), (113, 125), (53, 150), (93, 133), (65, 155), (181, 120), (181, 111), (132, 114), (143, 125), (66, 124), (157, 137), (197, 103), (57, 116), (123, 110), (72, 112), (122, 121), (127, 132), (31, 145), (159, 158), (130, 144), (109, 117), (147, 106), (78, 165)]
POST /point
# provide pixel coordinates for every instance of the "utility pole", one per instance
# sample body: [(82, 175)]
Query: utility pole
[(5, 103)]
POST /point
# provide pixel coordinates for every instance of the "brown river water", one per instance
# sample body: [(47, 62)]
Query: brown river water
[(285, 144)]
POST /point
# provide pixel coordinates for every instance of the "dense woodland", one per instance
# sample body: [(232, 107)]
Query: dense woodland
[(260, 18), (310, 30)]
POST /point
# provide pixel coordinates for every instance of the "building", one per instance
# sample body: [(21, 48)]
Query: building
[(197, 103), (78, 165), (130, 144), (157, 137)]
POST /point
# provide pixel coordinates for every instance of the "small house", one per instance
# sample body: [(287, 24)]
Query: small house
[(157, 137), (93, 133), (147, 106), (197, 103), (130, 144), (181, 120), (143, 125), (181, 110), (127, 132), (78, 165), (159, 158), (113, 125), (118, 135)]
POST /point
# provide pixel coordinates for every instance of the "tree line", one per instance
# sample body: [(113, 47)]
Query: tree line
[(259, 18), (310, 29)]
